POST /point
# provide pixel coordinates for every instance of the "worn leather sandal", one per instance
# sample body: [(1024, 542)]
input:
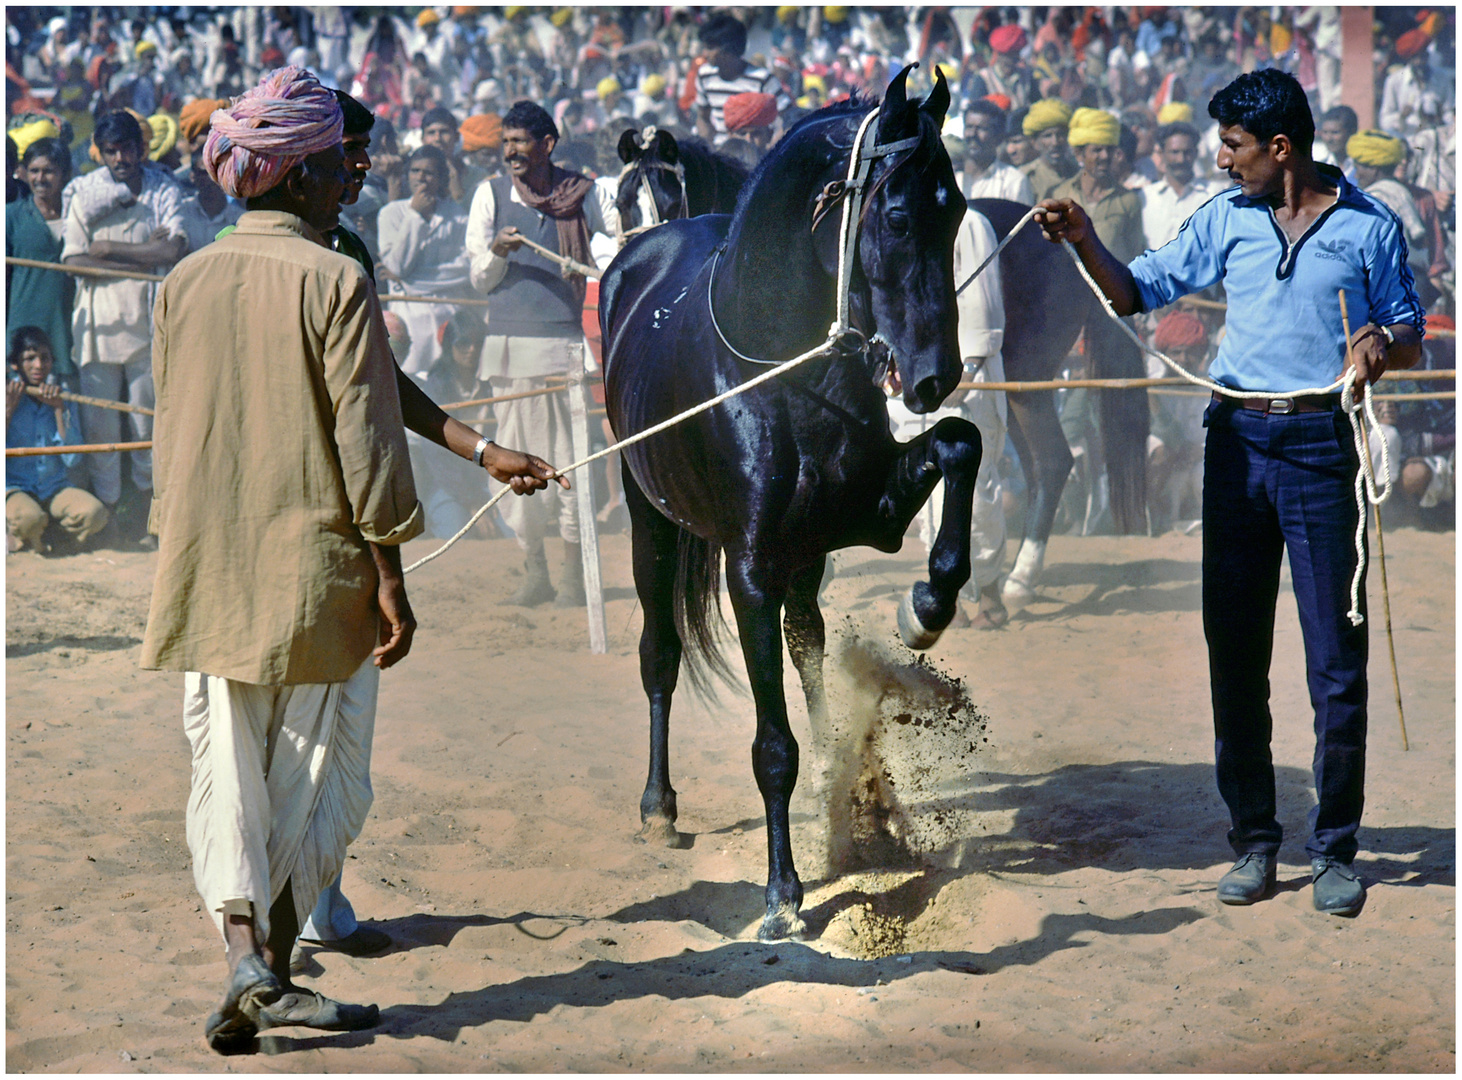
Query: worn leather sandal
[(305, 1008), (252, 988)]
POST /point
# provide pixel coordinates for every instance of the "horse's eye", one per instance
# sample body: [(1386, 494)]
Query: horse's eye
[(898, 222)]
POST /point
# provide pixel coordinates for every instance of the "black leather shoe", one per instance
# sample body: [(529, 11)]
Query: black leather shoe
[(1249, 880), (1338, 890)]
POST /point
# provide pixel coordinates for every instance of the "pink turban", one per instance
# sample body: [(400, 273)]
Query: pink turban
[(265, 133)]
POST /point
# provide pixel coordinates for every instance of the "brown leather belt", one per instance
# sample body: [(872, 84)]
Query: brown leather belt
[(1284, 405)]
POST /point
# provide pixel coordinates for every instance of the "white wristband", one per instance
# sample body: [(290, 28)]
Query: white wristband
[(478, 451)]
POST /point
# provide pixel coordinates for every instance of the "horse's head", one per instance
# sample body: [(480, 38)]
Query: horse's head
[(652, 182), (906, 250)]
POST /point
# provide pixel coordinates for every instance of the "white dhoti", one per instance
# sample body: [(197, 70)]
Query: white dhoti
[(536, 425), (281, 786)]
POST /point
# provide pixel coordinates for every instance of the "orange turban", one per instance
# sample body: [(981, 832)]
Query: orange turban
[(193, 121), (744, 111), (482, 132), (1411, 43)]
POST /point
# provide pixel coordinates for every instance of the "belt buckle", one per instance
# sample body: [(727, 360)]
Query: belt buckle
[(1281, 405)]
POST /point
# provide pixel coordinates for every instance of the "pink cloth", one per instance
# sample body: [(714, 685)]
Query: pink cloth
[(269, 130)]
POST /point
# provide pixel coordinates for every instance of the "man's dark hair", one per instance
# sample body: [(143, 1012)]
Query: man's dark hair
[(358, 119), (724, 32), (1345, 114), (53, 150), (118, 129), (534, 119), (1178, 127), (1127, 143), (439, 114), (985, 108), (1015, 123), (1267, 103)]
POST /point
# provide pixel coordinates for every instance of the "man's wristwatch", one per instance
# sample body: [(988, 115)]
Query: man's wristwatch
[(478, 451)]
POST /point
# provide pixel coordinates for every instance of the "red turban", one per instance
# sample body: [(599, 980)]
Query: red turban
[(1000, 101), (484, 131), (750, 111), (1178, 330), (1007, 39), (1411, 43)]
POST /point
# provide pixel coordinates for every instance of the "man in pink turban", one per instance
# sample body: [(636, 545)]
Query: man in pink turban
[(283, 491)]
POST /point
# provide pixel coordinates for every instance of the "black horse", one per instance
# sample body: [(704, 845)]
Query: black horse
[(1047, 304), (802, 465), (685, 178)]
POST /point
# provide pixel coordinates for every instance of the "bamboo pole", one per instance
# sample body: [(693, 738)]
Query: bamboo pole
[(82, 271), (562, 260), (100, 403), (85, 448), (502, 397)]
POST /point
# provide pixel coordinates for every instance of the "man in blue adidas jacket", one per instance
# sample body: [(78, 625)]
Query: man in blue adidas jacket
[(1279, 471)]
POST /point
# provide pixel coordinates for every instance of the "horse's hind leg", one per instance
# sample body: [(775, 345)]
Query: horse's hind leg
[(951, 450), (757, 593), (807, 637), (1035, 429), (653, 542)]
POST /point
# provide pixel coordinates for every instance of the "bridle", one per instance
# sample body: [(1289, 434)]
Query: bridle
[(852, 191), (642, 164)]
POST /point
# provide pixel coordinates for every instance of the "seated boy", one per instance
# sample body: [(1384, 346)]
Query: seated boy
[(34, 485)]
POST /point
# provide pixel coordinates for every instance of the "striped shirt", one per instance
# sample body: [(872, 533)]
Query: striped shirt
[(711, 92)]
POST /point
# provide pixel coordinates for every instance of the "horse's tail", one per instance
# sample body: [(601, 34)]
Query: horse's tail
[(698, 617), (1123, 417)]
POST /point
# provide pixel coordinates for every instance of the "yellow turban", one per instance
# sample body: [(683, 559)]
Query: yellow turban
[(835, 15), (427, 17), (561, 17), (607, 85), (1093, 126), (143, 47), (1050, 113), (1376, 149), (1175, 112), (29, 133), (653, 85), (164, 131), (950, 71), (787, 12), (512, 11)]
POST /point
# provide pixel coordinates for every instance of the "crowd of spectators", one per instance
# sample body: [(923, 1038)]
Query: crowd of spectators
[(108, 106)]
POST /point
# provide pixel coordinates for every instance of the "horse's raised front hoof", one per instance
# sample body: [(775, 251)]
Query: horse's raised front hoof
[(913, 632), (783, 924), (659, 832)]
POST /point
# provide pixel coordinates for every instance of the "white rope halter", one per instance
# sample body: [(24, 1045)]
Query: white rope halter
[(623, 235)]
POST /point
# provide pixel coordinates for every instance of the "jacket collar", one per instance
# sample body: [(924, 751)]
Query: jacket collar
[(279, 223)]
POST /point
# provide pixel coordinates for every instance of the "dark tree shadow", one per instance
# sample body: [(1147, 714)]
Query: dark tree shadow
[(102, 643)]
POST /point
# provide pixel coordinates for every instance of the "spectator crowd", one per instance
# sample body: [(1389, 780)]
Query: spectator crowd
[(108, 109)]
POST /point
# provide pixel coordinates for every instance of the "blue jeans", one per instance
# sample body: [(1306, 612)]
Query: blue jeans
[(1277, 483)]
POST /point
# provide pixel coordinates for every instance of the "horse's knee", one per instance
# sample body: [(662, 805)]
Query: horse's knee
[(774, 761), (956, 447)]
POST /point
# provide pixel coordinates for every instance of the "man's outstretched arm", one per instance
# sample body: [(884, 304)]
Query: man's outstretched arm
[(1062, 219)]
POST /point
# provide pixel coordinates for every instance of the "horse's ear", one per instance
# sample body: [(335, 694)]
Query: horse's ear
[(892, 117), (629, 145), (937, 103), (669, 148)]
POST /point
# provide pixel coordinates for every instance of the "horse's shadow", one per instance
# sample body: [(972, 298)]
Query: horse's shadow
[(728, 971), (1146, 586)]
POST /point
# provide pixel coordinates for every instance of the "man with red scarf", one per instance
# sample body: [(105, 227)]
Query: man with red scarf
[(534, 326)]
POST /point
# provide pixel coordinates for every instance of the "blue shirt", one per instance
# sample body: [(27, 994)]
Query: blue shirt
[(34, 424), (1283, 331)]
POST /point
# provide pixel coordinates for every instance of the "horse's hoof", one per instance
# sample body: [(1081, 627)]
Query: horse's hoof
[(914, 634), (659, 832), (783, 924), (1016, 595)]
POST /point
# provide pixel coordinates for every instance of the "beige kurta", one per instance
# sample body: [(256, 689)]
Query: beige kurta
[(279, 452)]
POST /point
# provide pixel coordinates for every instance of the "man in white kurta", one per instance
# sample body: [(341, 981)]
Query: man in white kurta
[(981, 334)]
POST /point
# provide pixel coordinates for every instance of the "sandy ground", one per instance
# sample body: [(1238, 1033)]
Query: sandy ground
[(1012, 872)]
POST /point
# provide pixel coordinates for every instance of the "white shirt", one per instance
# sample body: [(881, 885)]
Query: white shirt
[(428, 254), (1164, 210), (1001, 181), (487, 269), (201, 228)]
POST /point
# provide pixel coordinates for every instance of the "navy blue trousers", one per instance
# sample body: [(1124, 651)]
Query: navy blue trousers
[(1275, 484)]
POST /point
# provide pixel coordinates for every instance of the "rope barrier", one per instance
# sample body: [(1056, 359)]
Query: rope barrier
[(1138, 384)]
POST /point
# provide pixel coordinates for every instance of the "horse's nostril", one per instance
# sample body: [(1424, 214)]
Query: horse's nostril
[(929, 391)]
